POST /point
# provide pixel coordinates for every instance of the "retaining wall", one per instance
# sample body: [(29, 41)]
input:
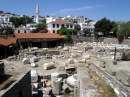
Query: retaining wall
[(20, 87), (119, 89)]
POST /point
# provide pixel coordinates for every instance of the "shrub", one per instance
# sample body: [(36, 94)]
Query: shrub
[(125, 56)]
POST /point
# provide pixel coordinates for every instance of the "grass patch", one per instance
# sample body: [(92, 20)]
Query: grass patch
[(104, 89)]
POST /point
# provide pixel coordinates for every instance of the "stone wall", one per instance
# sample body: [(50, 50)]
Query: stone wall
[(86, 39), (100, 39), (21, 87), (85, 87), (1, 67), (119, 89)]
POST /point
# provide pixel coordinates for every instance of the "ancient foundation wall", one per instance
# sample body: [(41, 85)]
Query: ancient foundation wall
[(1, 67), (21, 87), (119, 89)]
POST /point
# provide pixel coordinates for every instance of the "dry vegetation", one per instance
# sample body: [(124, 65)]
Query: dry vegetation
[(103, 88)]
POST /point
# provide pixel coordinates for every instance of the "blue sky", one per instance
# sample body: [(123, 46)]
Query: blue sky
[(117, 10)]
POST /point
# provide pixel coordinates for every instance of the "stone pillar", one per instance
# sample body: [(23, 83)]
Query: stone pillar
[(56, 85)]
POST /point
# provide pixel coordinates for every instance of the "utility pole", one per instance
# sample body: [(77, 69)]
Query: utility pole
[(115, 54)]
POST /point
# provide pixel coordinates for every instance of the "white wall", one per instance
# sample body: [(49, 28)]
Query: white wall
[(50, 27)]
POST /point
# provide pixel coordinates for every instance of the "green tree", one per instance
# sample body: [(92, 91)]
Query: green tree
[(104, 25), (18, 21), (41, 26), (64, 31), (86, 32), (114, 28), (77, 27), (124, 29), (6, 31), (68, 38)]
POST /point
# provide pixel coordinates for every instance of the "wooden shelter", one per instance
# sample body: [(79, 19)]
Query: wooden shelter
[(40, 40)]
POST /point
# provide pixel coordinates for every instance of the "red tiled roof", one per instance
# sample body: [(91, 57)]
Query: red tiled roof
[(38, 35), (62, 21), (12, 40), (8, 41)]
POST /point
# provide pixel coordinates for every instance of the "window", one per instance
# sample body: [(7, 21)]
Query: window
[(53, 25), (53, 31), (62, 25), (57, 25), (71, 26), (67, 26)]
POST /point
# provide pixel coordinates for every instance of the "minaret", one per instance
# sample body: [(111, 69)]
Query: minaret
[(37, 14)]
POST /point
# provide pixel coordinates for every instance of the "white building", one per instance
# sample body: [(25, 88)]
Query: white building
[(54, 26), (4, 20), (90, 26), (9, 24), (31, 26), (76, 19), (21, 29), (50, 19)]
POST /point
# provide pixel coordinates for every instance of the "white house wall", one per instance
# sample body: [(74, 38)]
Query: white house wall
[(51, 29)]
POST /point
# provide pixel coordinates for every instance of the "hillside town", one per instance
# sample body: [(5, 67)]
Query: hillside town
[(63, 56)]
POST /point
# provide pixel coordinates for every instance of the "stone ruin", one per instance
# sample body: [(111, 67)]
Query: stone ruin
[(1, 68)]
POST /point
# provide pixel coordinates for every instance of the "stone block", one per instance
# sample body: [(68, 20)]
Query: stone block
[(110, 68), (26, 61), (61, 68), (49, 65), (34, 76), (102, 64), (82, 60), (65, 49), (56, 85), (46, 91), (45, 49), (124, 77), (66, 88), (34, 64), (70, 61), (34, 59), (46, 95)]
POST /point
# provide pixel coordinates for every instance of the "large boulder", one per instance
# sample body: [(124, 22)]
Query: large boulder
[(123, 76)]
